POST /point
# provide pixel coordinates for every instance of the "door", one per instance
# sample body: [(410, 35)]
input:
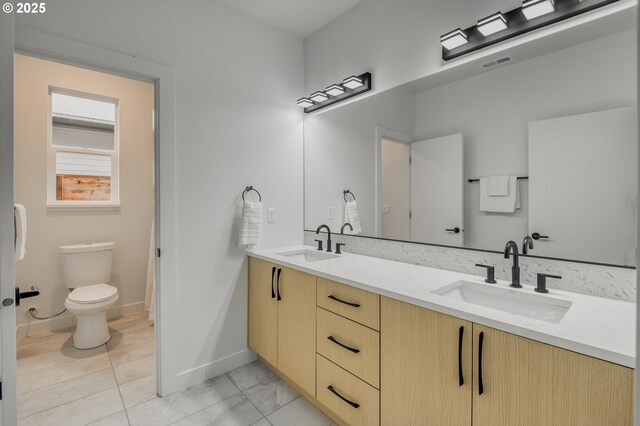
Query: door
[(395, 190), (425, 367), (583, 168), (437, 191), (297, 327), (8, 404), (263, 309), (529, 383)]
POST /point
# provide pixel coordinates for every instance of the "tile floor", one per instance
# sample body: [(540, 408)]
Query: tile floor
[(115, 385)]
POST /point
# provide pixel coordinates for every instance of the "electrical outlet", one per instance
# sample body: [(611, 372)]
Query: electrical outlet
[(271, 215), (32, 308), (330, 213), (386, 209)]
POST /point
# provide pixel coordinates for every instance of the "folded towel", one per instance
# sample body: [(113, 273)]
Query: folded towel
[(250, 225), (20, 228), (351, 215), (506, 204), (498, 186)]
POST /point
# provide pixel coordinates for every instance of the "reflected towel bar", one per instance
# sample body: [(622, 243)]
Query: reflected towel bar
[(344, 194), (478, 180)]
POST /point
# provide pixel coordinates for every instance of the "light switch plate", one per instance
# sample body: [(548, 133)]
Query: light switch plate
[(271, 215), (386, 209), (330, 213)]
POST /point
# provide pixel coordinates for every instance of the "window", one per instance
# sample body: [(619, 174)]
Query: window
[(82, 150)]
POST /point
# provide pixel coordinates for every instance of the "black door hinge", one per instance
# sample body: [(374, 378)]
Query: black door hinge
[(158, 252)]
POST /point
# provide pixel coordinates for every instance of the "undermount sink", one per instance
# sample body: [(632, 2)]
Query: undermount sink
[(543, 308), (308, 255)]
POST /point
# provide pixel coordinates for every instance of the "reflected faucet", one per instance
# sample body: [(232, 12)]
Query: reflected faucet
[(328, 236), (344, 226), (511, 249), (527, 244)]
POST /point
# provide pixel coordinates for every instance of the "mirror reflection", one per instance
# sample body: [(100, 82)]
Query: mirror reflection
[(543, 147)]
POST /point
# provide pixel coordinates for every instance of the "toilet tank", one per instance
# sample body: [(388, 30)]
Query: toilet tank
[(87, 264)]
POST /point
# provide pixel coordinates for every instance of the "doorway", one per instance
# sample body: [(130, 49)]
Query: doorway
[(84, 159)]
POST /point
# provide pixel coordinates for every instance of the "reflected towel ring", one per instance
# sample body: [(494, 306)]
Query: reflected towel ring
[(344, 194), (251, 188)]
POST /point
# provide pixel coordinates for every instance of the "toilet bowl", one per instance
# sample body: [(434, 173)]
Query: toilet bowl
[(87, 270)]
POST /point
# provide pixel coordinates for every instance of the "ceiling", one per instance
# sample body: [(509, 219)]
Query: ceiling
[(300, 18)]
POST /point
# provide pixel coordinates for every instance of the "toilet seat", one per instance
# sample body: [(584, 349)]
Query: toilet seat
[(92, 294)]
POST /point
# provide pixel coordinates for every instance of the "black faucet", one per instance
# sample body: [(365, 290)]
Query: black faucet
[(527, 244), (344, 226), (512, 249), (328, 236)]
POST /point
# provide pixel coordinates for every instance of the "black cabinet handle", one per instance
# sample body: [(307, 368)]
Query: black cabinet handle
[(278, 284), (455, 230), (537, 236), (273, 275), (355, 305), (354, 350), (460, 338), (335, 392), (480, 384)]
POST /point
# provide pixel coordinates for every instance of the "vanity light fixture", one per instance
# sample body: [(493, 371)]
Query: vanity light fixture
[(334, 90), (350, 87), (305, 102), (502, 26), (319, 97), (492, 24), (535, 8), (453, 39), (352, 82)]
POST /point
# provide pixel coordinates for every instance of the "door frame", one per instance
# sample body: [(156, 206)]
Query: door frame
[(45, 46), (393, 136)]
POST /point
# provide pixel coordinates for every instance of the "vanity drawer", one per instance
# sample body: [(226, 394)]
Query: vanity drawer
[(350, 302), (361, 403), (361, 356)]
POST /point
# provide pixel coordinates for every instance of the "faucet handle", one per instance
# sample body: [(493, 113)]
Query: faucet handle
[(491, 270), (541, 286), (338, 245), (319, 244)]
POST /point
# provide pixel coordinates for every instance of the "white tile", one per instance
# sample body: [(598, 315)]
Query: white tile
[(117, 419), (136, 369), (299, 412), (262, 422), (39, 346), (249, 375), (234, 411), (58, 373), (138, 391), (78, 412), (61, 356), (65, 392), (270, 395), (131, 346)]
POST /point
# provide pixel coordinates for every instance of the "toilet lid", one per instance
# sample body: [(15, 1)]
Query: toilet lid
[(92, 293)]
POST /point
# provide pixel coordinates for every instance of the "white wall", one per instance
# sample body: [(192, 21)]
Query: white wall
[(237, 81), (493, 109), (340, 153), (130, 227)]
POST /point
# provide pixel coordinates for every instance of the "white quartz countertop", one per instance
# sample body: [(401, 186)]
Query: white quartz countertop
[(598, 327)]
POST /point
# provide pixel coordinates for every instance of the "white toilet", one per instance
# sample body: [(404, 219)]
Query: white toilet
[(87, 270)]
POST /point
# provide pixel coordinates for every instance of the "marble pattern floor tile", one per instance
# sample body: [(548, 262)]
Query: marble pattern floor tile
[(118, 419), (234, 411), (270, 394), (138, 391), (299, 412), (136, 369), (249, 375)]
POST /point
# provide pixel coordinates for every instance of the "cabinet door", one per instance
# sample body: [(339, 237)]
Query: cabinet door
[(423, 360), (297, 327), (530, 383), (263, 310)]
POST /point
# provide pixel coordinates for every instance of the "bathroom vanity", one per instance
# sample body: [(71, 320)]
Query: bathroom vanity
[(372, 341)]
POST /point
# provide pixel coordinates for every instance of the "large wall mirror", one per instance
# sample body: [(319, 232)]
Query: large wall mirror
[(545, 147)]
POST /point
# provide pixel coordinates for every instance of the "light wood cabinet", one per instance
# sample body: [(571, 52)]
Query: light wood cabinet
[(282, 320), (425, 366), (358, 305), (527, 383), (263, 310)]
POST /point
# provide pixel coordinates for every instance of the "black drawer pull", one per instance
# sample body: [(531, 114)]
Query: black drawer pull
[(355, 305), (480, 384), (335, 392), (273, 276), (460, 339), (278, 284), (354, 350)]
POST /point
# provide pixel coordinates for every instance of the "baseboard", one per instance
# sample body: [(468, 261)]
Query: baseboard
[(212, 369), (68, 320)]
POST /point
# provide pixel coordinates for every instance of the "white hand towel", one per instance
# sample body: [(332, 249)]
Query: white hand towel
[(498, 186), (351, 215), (507, 204), (20, 228), (250, 226)]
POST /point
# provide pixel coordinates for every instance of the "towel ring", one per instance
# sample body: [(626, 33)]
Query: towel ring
[(251, 188), (344, 194)]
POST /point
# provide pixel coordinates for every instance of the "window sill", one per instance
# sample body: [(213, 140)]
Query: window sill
[(77, 208)]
